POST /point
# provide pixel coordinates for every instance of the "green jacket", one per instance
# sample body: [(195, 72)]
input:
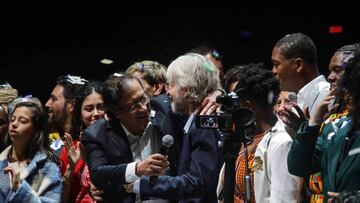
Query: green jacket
[(311, 153)]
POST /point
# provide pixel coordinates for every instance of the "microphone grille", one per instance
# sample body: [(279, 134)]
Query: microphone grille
[(167, 141)]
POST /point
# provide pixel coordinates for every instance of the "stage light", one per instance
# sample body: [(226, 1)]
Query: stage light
[(106, 61)]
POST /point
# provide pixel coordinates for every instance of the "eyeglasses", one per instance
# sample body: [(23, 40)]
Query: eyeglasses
[(143, 101)]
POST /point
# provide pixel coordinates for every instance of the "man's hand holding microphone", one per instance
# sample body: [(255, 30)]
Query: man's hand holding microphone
[(155, 164)]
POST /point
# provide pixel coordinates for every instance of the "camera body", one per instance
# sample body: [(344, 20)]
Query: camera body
[(216, 121), (235, 123), (222, 121)]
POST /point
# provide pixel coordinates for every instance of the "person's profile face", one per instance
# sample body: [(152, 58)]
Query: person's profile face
[(56, 107), (336, 70), (178, 104), (284, 70)]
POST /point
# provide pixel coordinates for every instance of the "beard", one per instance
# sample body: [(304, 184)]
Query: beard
[(178, 107), (57, 120)]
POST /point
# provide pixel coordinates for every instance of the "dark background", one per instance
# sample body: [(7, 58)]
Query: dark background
[(37, 45)]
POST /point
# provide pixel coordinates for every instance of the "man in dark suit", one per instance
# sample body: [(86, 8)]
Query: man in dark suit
[(191, 78), (119, 146), (152, 75)]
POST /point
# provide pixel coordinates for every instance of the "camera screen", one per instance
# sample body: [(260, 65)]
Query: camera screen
[(206, 122)]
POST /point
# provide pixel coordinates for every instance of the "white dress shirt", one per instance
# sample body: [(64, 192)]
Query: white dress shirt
[(141, 147), (272, 180)]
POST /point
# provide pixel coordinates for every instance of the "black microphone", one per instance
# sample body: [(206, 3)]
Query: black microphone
[(166, 143)]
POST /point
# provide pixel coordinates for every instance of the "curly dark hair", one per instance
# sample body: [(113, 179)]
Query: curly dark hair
[(351, 82), (231, 76), (258, 85), (71, 90)]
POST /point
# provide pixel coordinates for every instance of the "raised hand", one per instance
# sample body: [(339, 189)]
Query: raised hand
[(72, 151), (209, 105), (322, 110), (293, 116)]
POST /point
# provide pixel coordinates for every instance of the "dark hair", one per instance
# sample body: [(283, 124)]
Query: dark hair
[(298, 45), (204, 50), (349, 48), (258, 84), (348, 51), (231, 76), (88, 88), (40, 141), (114, 87), (71, 89), (351, 82)]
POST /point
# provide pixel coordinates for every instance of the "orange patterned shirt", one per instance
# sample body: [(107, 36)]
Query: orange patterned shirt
[(239, 194)]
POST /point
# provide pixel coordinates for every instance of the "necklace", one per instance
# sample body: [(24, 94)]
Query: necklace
[(11, 158)]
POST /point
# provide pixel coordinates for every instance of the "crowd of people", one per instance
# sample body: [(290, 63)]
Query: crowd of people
[(98, 141)]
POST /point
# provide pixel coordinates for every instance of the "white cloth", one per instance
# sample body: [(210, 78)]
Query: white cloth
[(141, 147), (312, 93), (272, 180), (220, 185)]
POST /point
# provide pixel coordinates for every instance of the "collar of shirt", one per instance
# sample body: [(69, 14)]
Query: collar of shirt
[(134, 142), (132, 136), (308, 94), (188, 123), (312, 85)]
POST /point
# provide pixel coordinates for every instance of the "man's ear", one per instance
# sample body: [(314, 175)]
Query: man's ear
[(299, 62), (185, 92), (159, 87)]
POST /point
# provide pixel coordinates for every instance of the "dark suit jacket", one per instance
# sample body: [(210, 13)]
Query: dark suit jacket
[(169, 123), (108, 152), (311, 153), (161, 105), (198, 171)]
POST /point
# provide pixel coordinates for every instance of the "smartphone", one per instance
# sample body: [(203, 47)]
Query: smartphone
[(206, 122), (293, 98)]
